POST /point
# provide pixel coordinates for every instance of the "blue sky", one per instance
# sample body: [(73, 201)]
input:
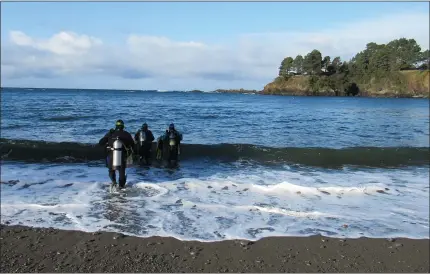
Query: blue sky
[(186, 45)]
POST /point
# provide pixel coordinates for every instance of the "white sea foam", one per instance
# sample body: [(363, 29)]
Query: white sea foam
[(224, 204)]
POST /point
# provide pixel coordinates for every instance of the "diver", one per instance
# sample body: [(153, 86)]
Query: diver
[(119, 144), (143, 139), (168, 146)]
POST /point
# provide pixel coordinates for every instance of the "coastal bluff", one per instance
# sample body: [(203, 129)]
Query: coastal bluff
[(405, 84)]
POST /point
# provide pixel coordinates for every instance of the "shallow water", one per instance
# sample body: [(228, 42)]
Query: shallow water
[(223, 202)]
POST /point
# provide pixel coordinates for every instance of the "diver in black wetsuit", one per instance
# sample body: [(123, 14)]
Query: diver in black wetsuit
[(117, 158), (169, 146), (143, 139)]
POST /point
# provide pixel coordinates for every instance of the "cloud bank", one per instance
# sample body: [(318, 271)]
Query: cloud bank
[(150, 62)]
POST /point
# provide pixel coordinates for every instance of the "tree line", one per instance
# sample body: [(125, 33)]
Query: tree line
[(375, 61)]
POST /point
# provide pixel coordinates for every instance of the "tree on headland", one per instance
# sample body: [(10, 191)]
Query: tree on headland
[(424, 60), (298, 64), (325, 63), (332, 67), (336, 63), (286, 66), (312, 62), (405, 53)]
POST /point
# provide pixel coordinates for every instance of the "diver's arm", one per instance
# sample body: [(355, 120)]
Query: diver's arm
[(136, 136), (129, 140), (105, 138), (151, 136)]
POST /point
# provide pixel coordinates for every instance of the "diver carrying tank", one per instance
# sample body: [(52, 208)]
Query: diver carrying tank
[(117, 154)]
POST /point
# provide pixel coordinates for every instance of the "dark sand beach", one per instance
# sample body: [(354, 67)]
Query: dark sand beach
[(25, 249)]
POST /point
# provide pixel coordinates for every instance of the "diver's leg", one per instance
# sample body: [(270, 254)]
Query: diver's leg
[(112, 176), (148, 158), (141, 153), (174, 154), (168, 156), (147, 154), (122, 178)]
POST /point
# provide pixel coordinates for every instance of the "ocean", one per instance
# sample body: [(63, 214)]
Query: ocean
[(251, 166)]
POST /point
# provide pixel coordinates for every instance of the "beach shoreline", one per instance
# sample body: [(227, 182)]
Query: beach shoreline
[(28, 249)]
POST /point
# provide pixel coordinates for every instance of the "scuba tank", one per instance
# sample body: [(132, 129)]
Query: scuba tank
[(172, 139), (142, 137), (117, 154)]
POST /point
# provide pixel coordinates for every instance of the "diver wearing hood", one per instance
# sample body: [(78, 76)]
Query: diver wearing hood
[(143, 139), (119, 144), (168, 146)]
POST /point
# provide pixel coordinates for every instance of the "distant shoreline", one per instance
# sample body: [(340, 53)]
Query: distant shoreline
[(264, 92)]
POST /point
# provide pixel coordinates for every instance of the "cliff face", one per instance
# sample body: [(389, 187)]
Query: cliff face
[(418, 82), (296, 85), (413, 83)]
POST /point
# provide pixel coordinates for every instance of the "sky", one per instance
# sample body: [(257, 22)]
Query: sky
[(187, 45)]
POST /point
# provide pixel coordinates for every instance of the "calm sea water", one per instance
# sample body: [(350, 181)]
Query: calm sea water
[(252, 166), (276, 121)]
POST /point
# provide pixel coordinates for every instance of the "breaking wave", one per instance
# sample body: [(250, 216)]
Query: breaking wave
[(388, 157)]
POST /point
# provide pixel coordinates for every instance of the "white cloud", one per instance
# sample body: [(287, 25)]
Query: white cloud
[(250, 58), (63, 43)]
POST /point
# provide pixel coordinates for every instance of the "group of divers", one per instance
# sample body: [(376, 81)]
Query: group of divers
[(121, 147)]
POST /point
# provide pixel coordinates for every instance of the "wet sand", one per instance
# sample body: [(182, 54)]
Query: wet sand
[(25, 249)]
